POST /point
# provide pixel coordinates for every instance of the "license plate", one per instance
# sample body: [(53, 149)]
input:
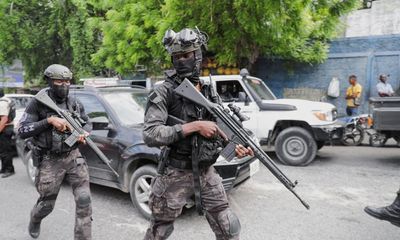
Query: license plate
[(254, 167)]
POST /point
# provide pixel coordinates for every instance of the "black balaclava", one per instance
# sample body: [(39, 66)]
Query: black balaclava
[(189, 68), (1, 93), (59, 92)]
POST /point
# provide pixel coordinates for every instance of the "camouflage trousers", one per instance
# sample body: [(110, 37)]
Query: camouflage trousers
[(170, 193), (51, 173)]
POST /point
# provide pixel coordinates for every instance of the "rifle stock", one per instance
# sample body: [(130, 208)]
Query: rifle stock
[(188, 91), (44, 98)]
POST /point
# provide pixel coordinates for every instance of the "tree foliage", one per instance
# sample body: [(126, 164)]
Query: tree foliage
[(41, 33), (240, 30), (94, 36)]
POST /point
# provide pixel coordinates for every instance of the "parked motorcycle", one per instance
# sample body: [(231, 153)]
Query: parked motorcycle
[(355, 128), (377, 139)]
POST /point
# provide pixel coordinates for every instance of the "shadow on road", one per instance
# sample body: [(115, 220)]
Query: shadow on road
[(109, 192)]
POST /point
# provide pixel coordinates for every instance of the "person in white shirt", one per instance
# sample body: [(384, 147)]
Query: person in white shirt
[(6, 133), (384, 89)]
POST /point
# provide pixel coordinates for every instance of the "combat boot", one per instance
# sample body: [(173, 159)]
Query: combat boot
[(389, 213), (34, 229)]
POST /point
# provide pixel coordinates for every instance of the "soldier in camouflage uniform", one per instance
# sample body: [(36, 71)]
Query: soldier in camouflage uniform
[(55, 159), (171, 190)]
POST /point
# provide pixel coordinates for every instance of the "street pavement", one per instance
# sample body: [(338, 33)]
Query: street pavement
[(337, 185)]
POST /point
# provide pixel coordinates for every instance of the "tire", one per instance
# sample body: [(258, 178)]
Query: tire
[(353, 136), (139, 187), (295, 146), (30, 169), (376, 140), (320, 144)]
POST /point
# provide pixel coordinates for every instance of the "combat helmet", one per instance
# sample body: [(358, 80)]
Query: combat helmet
[(186, 40), (58, 71)]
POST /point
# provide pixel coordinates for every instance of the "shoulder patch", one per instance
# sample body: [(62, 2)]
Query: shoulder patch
[(153, 97)]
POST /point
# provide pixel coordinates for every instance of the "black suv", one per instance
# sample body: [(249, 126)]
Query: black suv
[(117, 115)]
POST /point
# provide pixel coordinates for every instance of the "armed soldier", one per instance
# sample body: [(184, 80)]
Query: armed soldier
[(54, 158), (193, 146)]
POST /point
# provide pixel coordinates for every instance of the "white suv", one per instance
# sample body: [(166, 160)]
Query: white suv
[(296, 128)]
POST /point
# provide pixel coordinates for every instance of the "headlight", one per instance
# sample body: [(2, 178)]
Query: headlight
[(321, 116), (324, 116)]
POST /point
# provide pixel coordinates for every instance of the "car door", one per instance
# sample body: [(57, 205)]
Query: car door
[(104, 139)]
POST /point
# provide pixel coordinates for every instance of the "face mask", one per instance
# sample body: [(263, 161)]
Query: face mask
[(60, 92), (189, 67), (184, 67)]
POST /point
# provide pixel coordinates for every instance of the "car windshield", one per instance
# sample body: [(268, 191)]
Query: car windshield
[(129, 106), (260, 89)]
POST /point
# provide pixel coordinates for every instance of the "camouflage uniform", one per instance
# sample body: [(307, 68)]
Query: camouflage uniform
[(171, 191), (51, 173)]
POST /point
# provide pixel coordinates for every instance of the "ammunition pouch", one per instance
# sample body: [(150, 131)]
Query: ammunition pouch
[(209, 150), (37, 154), (58, 142)]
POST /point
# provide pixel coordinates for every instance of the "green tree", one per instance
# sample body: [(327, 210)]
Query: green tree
[(42, 32), (103, 37), (240, 30), (130, 36)]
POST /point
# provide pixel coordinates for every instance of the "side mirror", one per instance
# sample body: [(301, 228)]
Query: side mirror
[(100, 123), (244, 98)]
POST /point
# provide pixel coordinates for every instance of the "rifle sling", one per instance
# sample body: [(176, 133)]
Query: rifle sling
[(196, 176)]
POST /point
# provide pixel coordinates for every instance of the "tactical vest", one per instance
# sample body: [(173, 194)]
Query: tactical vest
[(187, 111), (51, 139)]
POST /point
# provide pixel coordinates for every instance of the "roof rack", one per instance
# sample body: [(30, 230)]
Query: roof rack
[(122, 85), (87, 87), (93, 88)]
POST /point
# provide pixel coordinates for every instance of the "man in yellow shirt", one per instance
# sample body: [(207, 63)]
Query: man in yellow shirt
[(353, 96)]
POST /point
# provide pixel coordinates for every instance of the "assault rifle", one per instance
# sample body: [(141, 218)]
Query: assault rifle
[(77, 129), (236, 132)]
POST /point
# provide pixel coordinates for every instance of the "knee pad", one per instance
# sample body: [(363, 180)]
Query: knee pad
[(83, 200), (229, 222)]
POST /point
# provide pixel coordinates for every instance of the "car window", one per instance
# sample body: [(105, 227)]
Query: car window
[(129, 106), (92, 105), (260, 89), (229, 90)]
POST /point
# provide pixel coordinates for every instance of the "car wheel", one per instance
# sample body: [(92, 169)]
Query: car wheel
[(320, 144), (140, 188), (30, 169), (295, 146)]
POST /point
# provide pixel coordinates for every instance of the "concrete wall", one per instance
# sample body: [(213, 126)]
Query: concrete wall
[(366, 57), (382, 19)]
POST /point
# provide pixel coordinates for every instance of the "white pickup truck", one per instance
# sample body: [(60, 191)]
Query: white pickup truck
[(296, 128)]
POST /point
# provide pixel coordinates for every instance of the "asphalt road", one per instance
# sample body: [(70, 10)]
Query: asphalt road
[(337, 185)]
